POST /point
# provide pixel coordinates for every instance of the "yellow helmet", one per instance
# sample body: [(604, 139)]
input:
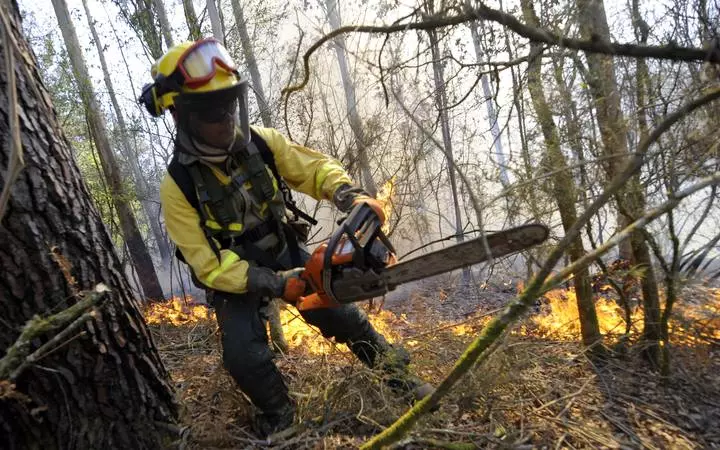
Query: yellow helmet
[(202, 66)]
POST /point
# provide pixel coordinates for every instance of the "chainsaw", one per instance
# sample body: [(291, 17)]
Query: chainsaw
[(358, 262)]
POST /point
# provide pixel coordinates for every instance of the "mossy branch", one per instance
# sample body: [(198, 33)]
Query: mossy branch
[(543, 282), (15, 358)]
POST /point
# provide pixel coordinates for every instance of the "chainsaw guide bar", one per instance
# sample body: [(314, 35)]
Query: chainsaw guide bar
[(356, 285)]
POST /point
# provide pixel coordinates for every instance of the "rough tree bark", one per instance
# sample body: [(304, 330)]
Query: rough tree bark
[(145, 192), (106, 386), (136, 246), (613, 130), (564, 190), (333, 15)]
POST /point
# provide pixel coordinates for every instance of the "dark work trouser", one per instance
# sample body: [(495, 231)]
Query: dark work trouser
[(246, 351)]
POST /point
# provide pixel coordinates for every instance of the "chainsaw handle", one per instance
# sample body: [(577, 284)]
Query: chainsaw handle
[(315, 301), (294, 289)]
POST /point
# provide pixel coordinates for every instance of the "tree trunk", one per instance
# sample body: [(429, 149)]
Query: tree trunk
[(104, 387), (164, 23), (354, 119), (252, 65), (192, 21), (492, 115), (564, 190), (441, 104), (631, 200), (138, 251), (215, 22), (151, 211)]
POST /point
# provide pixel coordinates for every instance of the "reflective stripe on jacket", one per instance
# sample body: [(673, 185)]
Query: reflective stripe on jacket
[(303, 169)]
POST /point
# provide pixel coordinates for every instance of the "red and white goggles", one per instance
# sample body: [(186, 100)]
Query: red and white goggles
[(199, 63)]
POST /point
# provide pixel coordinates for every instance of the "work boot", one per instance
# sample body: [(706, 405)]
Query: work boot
[(393, 360), (267, 423), (411, 388)]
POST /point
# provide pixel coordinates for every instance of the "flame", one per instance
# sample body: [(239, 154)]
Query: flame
[(304, 338), (385, 195), (563, 320), (176, 311), (694, 323)]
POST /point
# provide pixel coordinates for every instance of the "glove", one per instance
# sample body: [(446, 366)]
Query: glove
[(347, 197), (285, 284), (374, 204)]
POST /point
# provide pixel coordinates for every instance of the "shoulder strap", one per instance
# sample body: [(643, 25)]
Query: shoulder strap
[(181, 175), (269, 160)]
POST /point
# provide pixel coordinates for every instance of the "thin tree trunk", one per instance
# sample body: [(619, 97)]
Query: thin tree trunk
[(150, 210), (441, 104), (141, 258), (252, 65), (564, 190), (354, 119), (164, 23), (215, 22), (631, 200), (192, 21), (104, 386), (492, 115)]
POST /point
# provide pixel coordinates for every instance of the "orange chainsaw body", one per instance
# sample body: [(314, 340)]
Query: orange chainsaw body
[(358, 245)]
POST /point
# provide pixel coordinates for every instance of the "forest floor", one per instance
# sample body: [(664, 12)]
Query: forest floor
[(538, 390)]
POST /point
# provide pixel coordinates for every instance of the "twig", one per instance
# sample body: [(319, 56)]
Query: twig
[(56, 342), (37, 326), (542, 281), (16, 161), (534, 34), (453, 165), (453, 325), (565, 397)]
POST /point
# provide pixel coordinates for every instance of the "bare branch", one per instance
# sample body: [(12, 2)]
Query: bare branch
[(535, 34), (14, 358), (481, 347)]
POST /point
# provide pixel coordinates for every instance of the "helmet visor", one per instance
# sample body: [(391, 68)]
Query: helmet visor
[(227, 106), (199, 63)]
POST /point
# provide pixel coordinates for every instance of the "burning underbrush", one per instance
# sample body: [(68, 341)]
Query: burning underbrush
[(537, 390)]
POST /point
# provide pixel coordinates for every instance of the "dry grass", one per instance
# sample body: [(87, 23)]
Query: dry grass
[(537, 391)]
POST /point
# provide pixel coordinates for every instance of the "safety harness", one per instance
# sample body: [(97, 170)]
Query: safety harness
[(205, 193)]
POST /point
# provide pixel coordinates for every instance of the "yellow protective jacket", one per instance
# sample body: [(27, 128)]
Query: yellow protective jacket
[(303, 169)]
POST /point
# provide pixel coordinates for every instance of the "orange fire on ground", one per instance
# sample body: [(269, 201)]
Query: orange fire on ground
[(693, 322), (176, 311), (301, 336), (562, 321)]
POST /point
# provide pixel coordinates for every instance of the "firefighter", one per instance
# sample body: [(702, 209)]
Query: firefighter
[(226, 213)]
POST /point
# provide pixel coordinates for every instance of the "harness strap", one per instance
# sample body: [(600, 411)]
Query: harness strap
[(269, 160), (262, 185), (210, 193)]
